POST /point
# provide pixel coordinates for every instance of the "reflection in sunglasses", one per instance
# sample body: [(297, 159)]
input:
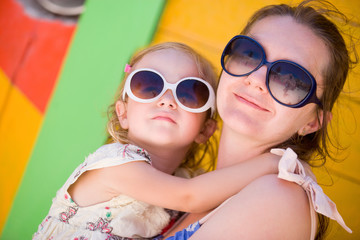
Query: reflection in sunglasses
[(288, 83), (192, 94)]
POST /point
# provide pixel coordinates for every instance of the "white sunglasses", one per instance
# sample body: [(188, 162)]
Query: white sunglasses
[(192, 94)]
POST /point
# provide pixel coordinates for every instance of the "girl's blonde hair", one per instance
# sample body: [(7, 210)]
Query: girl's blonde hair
[(197, 152)]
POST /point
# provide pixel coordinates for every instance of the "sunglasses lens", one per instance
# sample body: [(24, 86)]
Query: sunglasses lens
[(146, 84), (242, 56), (288, 83), (192, 93)]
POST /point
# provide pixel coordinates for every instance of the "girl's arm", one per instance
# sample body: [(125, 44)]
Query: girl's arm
[(143, 182)]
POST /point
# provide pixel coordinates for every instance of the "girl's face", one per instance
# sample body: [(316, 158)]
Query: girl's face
[(245, 104), (162, 123)]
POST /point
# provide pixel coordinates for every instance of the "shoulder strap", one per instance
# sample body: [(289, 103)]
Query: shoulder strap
[(291, 169)]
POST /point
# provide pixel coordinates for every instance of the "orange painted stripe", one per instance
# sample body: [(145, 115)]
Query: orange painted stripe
[(19, 125), (4, 90)]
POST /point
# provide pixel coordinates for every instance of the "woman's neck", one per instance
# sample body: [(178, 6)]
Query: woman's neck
[(235, 148)]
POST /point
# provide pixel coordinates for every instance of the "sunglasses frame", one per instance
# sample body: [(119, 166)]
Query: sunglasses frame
[(309, 98), (210, 104)]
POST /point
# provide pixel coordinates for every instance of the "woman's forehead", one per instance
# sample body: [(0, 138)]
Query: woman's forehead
[(284, 38)]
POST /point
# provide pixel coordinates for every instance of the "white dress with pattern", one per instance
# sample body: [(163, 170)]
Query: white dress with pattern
[(119, 218)]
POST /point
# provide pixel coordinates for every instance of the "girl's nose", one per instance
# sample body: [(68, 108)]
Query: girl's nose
[(167, 100), (257, 79)]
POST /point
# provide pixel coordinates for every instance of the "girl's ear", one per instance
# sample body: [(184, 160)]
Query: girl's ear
[(315, 124), (120, 108), (207, 131)]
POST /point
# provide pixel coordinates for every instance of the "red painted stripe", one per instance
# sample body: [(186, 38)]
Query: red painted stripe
[(32, 51), (14, 37)]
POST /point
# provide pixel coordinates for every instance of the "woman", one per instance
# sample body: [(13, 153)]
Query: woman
[(280, 81)]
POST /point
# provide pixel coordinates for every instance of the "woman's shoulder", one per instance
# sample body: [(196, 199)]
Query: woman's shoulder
[(267, 208), (280, 207), (279, 190)]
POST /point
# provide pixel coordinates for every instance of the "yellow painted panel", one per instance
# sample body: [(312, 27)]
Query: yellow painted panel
[(205, 25), (347, 201), (208, 25), (19, 125)]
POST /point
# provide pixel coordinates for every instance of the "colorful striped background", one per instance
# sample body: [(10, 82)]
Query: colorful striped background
[(57, 79)]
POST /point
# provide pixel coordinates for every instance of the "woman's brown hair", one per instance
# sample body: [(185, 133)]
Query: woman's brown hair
[(321, 17), (316, 16)]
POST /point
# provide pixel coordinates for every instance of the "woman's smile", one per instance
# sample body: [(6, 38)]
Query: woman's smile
[(250, 102)]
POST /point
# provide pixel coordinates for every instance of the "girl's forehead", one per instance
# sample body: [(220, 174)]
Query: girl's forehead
[(173, 64), (164, 56)]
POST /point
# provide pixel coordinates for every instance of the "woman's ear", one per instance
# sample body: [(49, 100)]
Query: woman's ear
[(120, 108), (208, 130), (315, 124)]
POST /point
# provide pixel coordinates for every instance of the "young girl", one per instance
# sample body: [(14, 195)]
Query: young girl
[(121, 190)]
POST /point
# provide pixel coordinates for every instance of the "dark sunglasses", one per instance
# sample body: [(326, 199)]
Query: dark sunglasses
[(287, 82), (191, 94)]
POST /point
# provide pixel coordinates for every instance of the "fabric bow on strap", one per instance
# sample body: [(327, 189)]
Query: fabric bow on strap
[(291, 169)]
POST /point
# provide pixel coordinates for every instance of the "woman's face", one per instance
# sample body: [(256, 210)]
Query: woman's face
[(245, 104)]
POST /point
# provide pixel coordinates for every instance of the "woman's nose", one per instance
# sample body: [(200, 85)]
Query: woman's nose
[(167, 100), (257, 79)]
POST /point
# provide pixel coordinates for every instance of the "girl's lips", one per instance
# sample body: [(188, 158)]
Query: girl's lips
[(250, 103), (164, 118)]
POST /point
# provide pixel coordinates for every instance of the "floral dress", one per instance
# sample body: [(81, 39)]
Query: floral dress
[(119, 218)]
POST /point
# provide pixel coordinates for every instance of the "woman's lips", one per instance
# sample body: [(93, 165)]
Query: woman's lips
[(250, 103)]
